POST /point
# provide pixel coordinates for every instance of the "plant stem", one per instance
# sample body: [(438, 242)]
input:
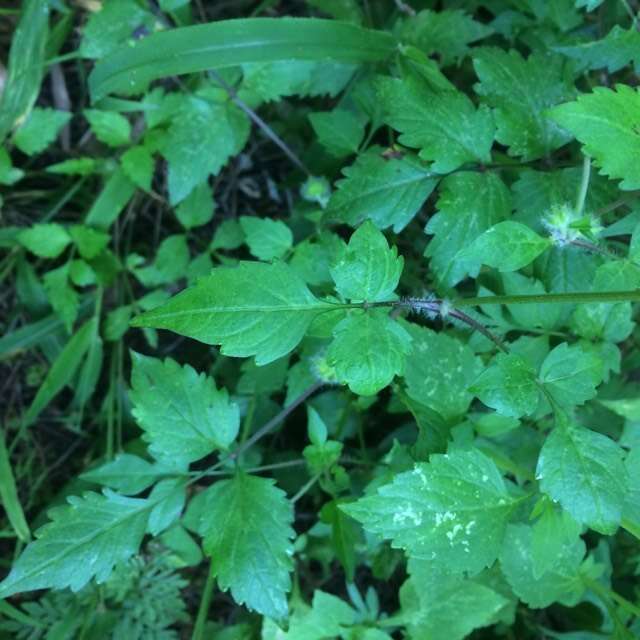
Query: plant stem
[(305, 487), (584, 185), (582, 297), (205, 603), (608, 594)]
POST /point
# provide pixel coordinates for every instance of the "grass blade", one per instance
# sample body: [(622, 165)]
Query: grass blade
[(9, 494), (228, 43)]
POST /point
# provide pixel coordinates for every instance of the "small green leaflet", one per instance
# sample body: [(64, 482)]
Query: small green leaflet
[(183, 415), (40, 129), (138, 165), (109, 127), (439, 605), (508, 386), (452, 511), (267, 239), (339, 131), (84, 539), (252, 309), (606, 123), (469, 204), (507, 246), (584, 471), (439, 370), (561, 583), (126, 473), (45, 240), (387, 190), (246, 526), (520, 91), (445, 126), (367, 268), (368, 350)]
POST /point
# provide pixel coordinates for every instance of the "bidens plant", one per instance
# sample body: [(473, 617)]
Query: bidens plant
[(399, 245)]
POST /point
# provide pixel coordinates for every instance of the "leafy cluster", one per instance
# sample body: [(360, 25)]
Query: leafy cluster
[(318, 320)]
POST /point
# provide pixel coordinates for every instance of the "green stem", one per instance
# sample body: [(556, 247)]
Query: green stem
[(584, 185), (205, 603), (582, 297), (305, 487), (607, 595)]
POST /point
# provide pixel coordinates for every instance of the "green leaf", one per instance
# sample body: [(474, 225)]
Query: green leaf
[(583, 470), (170, 495), (367, 269), (197, 208), (632, 502), (184, 416), (339, 131), (26, 65), (45, 240), (605, 122), (62, 370), (507, 246), (229, 235), (616, 50), (8, 173), (446, 126), (571, 374), (39, 130), (9, 494), (205, 132), (228, 43), (447, 33), (246, 526), (62, 296), (561, 583), (109, 127), (170, 262), (113, 198), (508, 385), (388, 191), (252, 309), (452, 511), (137, 164), (89, 242), (368, 351), (520, 91), (126, 473), (469, 204), (267, 239), (440, 605), (85, 539), (439, 370)]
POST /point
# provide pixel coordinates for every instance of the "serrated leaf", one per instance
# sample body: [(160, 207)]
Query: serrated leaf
[(583, 470), (439, 370), (246, 526), (388, 191), (443, 606), (605, 122), (126, 473), (45, 240), (253, 309), (85, 539), (109, 127), (520, 91), (506, 246), (62, 296), (170, 262), (469, 204), (40, 129), (367, 269), (339, 131), (445, 126), (137, 164), (267, 239), (184, 416), (571, 374), (170, 496), (368, 351), (561, 583), (508, 385), (452, 511), (197, 208)]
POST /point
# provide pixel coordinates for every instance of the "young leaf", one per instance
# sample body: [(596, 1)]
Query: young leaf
[(40, 130), (388, 191), (197, 208), (446, 127), (508, 386), (469, 204), (367, 269), (89, 242), (267, 239), (452, 511), (507, 246), (9, 494), (520, 91), (137, 164), (339, 131), (46, 240), (126, 473), (561, 583), (253, 309), (605, 122), (583, 470), (84, 539), (109, 127), (182, 413), (368, 351), (62, 296), (246, 526)]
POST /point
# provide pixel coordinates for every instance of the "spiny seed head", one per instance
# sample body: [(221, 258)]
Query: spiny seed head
[(565, 225)]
